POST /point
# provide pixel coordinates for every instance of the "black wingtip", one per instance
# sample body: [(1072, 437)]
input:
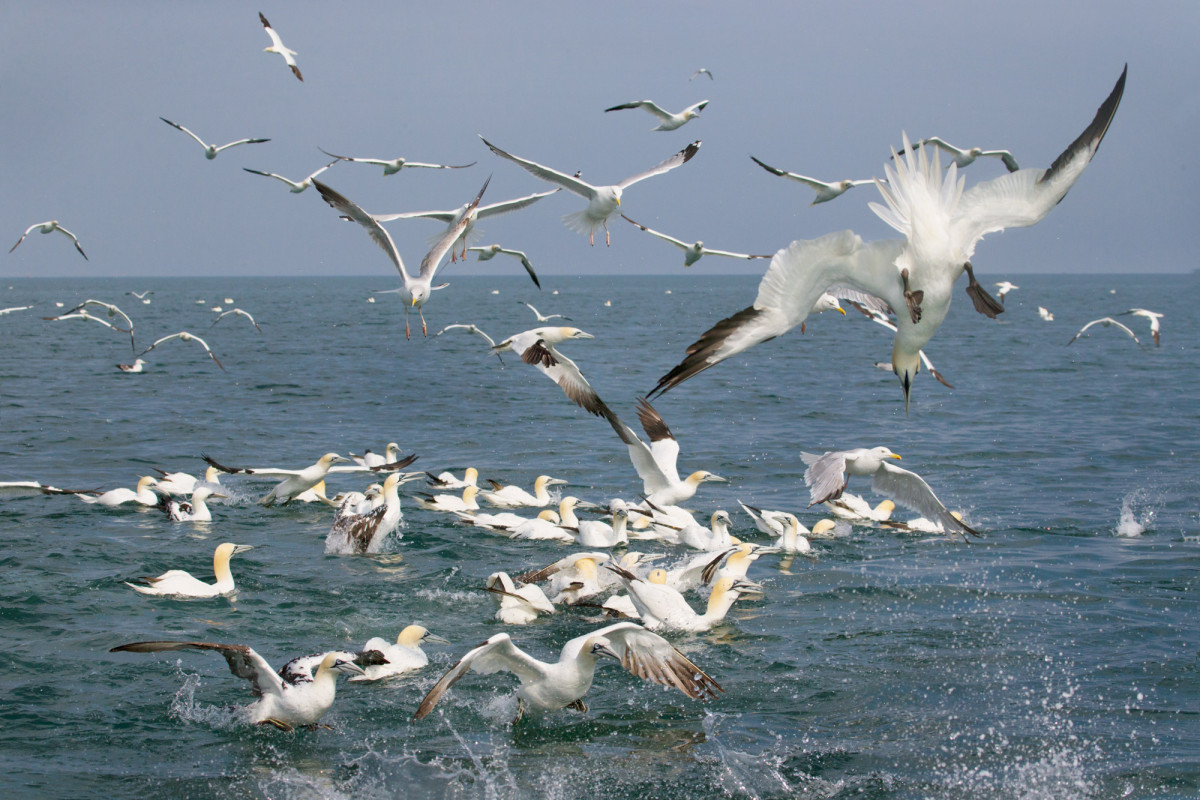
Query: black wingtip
[(1095, 132)]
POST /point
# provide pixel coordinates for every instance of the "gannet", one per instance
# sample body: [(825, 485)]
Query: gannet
[(295, 187), (211, 150), (543, 317), (187, 337), (143, 296), (277, 46), (180, 483), (13, 309), (792, 538), (357, 531), (769, 522), (735, 562), (664, 608), (855, 509), (596, 533), (536, 347), (280, 703), (404, 656), (301, 480), (1105, 322), (546, 525), (464, 218), (826, 191), (177, 583), (447, 480), (240, 313), (1003, 288), (393, 165), (49, 227), (701, 71), (502, 496), (962, 158), (112, 310), (142, 495), (369, 459), (86, 317), (448, 502), (517, 605), (562, 684), (941, 226), (670, 121), (1153, 316), (828, 474), (194, 510), (921, 525), (1044, 314), (715, 538), (416, 290), (603, 201), (573, 579), (12, 489), (487, 252), (691, 252)]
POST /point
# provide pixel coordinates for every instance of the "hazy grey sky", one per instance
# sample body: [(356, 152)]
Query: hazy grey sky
[(819, 88)]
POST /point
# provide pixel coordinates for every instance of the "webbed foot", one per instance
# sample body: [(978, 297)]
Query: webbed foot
[(283, 726), (913, 298), (579, 706), (984, 303)]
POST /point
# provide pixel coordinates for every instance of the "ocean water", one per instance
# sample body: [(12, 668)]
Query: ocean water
[(1054, 658)]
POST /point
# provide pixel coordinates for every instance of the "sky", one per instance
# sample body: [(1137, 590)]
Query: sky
[(823, 89)]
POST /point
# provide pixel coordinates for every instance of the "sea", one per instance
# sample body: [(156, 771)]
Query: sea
[(1055, 657)]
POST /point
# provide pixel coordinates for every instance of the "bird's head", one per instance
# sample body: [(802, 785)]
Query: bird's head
[(419, 295), (657, 575), (906, 366), (329, 459), (336, 663), (601, 647)]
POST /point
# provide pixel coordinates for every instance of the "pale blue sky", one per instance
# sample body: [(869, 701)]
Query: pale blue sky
[(822, 89)]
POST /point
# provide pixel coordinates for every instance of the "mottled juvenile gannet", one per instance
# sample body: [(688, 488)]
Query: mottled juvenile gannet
[(135, 368), (357, 531), (49, 227), (393, 165), (603, 201), (177, 583), (1153, 316), (826, 191), (669, 121), (664, 608), (517, 605), (1105, 322), (404, 656), (515, 497), (211, 150), (142, 495), (559, 685), (280, 703), (828, 474), (691, 252), (277, 46), (194, 510)]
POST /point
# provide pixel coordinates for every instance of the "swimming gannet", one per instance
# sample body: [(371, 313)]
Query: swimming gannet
[(177, 583), (393, 165), (572, 579), (301, 480), (768, 522), (391, 454), (515, 497), (596, 533), (715, 537), (1105, 322), (694, 251), (277, 46), (181, 483), (49, 227), (404, 656), (735, 562), (142, 495), (448, 502), (447, 480), (546, 525), (664, 608), (280, 702), (854, 508), (559, 685), (211, 150), (941, 227), (357, 530), (792, 537), (415, 290), (1153, 316), (828, 474), (825, 190), (669, 121), (186, 337), (238, 312), (194, 510), (517, 605), (603, 201)]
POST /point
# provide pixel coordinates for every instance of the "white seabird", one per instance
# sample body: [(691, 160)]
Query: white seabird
[(691, 252), (1153, 316), (180, 483), (853, 508), (573, 579), (447, 480), (963, 158), (142, 495), (13, 489), (240, 313), (881, 318), (300, 480), (277, 46), (546, 525), (50, 226), (488, 252), (596, 533), (664, 608), (517, 605), (470, 329), (211, 150), (416, 290), (825, 190), (1105, 322), (391, 454), (699, 72), (669, 121), (551, 686), (603, 201), (404, 656), (177, 583), (941, 226), (186, 337), (280, 702), (537, 348), (356, 531), (515, 497), (1003, 288), (448, 502), (295, 187), (828, 474), (393, 165), (1045, 314), (194, 510), (112, 310), (13, 309), (137, 366), (543, 317)]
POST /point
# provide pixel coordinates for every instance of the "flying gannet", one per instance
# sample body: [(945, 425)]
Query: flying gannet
[(295, 187), (280, 702), (603, 201), (828, 474), (1105, 322), (277, 46), (113, 312), (211, 150), (963, 158), (701, 71), (551, 686), (517, 605), (416, 290), (1153, 316), (488, 252), (49, 227), (447, 480), (240, 313), (404, 656), (825, 191), (186, 337), (691, 252), (394, 165), (669, 121), (177, 583), (543, 317), (1003, 288), (941, 226)]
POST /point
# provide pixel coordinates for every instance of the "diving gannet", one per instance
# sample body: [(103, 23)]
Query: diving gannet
[(177, 583), (825, 190), (517, 605), (369, 459), (691, 252), (277, 46), (404, 656), (881, 318), (211, 150), (669, 121), (49, 227)]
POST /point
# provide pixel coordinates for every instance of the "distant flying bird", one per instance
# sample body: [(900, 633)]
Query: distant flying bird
[(187, 337), (296, 187), (470, 329), (963, 157), (49, 227), (488, 252), (1003, 288), (211, 150), (699, 72), (416, 290), (86, 317), (1153, 316), (543, 317), (112, 310), (143, 296), (825, 191), (691, 252), (394, 165), (603, 201), (277, 46), (669, 121), (13, 310), (240, 313), (1106, 322)]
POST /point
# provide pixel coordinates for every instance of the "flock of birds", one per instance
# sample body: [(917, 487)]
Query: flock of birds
[(904, 284)]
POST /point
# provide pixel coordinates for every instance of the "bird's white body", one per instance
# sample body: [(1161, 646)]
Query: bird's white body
[(715, 537), (178, 583), (668, 121), (448, 502), (596, 533), (517, 605), (516, 497), (196, 510), (404, 656), (287, 489), (664, 608), (142, 495)]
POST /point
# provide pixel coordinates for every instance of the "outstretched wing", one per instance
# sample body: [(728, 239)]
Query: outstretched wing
[(496, 654), (682, 157), (651, 657), (243, 661), (825, 476), (568, 182), (434, 257), (377, 232), (911, 491)]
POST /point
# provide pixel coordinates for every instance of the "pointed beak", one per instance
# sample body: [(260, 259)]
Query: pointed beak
[(747, 586), (605, 650), (841, 311), (895, 456), (431, 637), (349, 667), (241, 548), (716, 478)]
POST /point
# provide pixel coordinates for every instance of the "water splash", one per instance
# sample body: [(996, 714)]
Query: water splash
[(1137, 515)]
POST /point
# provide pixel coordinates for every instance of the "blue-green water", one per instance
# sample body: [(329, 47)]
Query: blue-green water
[(1053, 659)]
